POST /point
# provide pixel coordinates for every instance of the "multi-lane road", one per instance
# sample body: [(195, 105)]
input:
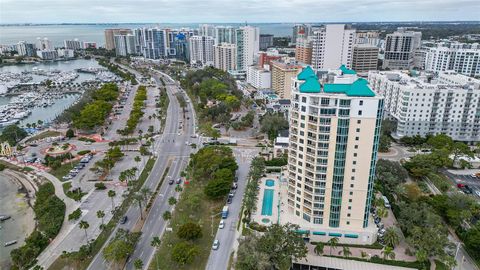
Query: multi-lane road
[(171, 151)]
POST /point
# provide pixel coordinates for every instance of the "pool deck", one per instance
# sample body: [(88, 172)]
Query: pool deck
[(257, 215)]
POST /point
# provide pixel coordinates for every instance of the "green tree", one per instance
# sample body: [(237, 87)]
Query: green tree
[(156, 244), (70, 133), (391, 237), (189, 231), (84, 225), (388, 253), (345, 251), (249, 257), (319, 248), (333, 243), (138, 198), (184, 253), (172, 201), (272, 123), (167, 215), (111, 195), (13, 134), (217, 188), (138, 264), (101, 215)]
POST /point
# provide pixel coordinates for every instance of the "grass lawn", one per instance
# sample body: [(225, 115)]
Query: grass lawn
[(74, 195), (440, 266), (43, 135), (63, 170), (192, 206)]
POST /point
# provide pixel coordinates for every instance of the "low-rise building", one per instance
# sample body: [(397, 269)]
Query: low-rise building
[(282, 74), (259, 77)]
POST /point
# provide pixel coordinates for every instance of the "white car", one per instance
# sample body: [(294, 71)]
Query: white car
[(222, 224), (216, 244)]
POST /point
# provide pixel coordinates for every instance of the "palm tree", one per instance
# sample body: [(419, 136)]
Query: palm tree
[(346, 252), (145, 192), (123, 177), (156, 244), (84, 225), (333, 242), (391, 237), (101, 214), (111, 194), (319, 248), (382, 212), (363, 254), (139, 199), (138, 264), (387, 252)]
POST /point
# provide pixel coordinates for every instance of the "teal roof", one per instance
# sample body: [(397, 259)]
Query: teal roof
[(311, 85), (306, 73), (345, 70), (357, 89)]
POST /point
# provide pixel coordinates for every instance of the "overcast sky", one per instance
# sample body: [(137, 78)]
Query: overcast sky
[(193, 11)]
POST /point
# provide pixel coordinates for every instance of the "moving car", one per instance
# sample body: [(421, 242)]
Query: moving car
[(216, 244), (123, 220), (170, 181)]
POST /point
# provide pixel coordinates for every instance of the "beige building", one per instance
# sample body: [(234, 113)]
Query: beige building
[(333, 143), (110, 37), (365, 58), (225, 56), (303, 49), (282, 74)]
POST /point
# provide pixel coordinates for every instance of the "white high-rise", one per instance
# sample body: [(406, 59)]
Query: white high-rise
[(151, 42), (462, 58), (334, 136), (206, 30), (225, 56), (332, 46), (74, 44), (224, 34), (124, 44), (400, 49), (44, 44), (201, 50), (247, 41)]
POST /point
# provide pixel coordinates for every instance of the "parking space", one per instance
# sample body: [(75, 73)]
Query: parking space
[(466, 183)]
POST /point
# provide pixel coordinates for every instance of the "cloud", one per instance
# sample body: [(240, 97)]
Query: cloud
[(189, 11)]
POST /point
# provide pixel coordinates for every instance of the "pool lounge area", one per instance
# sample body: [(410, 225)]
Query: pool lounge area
[(267, 203), (268, 200)]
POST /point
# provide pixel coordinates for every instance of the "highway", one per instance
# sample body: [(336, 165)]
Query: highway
[(218, 259), (171, 150)]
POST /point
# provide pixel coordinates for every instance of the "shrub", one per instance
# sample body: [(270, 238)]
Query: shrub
[(100, 186)]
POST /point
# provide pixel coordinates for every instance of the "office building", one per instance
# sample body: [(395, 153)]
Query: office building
[(259, 77), (25, 49), (110, 36), (206, 30), (364, 58), (247, 41), (47, 54), (225, 56), (224, 34), (400, 49), (422, 105), (334, 136), (266, 41), (44, 44), (282, 75), (124, 44), (461, 58), (151, 43), (74, 44), (201, 50), (303, 48), (368, 37), (332, 46)]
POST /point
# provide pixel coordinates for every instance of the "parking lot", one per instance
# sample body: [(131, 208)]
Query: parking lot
[(467, 183)]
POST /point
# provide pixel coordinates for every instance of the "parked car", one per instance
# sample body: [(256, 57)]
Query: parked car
[(229, 200), (222, 224), (179, 180), (231, 194), (123, 220), (216, 244), (170, 181), (234, 186)]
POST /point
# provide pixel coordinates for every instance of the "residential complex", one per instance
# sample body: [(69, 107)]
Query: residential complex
[(247, 41), (400, 49), (332, 46), (44, 44), (110, 36), (334, 135), (459, 57), (201, 50), (259, 77), (25, 49), (282, 74), (364, 58), (303, 48), (225, 56), (151, 42), (224, 34), (124, 44), (421, 105), (74, 44)]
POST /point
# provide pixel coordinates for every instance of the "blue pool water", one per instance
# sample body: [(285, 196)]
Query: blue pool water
[(270, 183), (267, 203)]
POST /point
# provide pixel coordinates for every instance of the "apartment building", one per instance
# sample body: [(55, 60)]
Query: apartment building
[(332, 46), (225, 56), (201, 50), (334, 135), (110, 36), (421, 104), (259, 77), (124, 44), (282, 75), (461, 58), (303, 48), (247, 40)]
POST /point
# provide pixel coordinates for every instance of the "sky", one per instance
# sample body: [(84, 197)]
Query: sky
[(223, 11)]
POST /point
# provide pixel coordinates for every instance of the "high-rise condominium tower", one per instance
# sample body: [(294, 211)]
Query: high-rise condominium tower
[(332, 46), (247, 41), (400, 49)]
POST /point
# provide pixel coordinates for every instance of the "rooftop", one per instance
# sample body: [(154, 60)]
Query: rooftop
[(345, 70), (359, 88)]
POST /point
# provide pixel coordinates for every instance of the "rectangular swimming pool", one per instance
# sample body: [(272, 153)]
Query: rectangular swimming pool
[(267, 203)]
